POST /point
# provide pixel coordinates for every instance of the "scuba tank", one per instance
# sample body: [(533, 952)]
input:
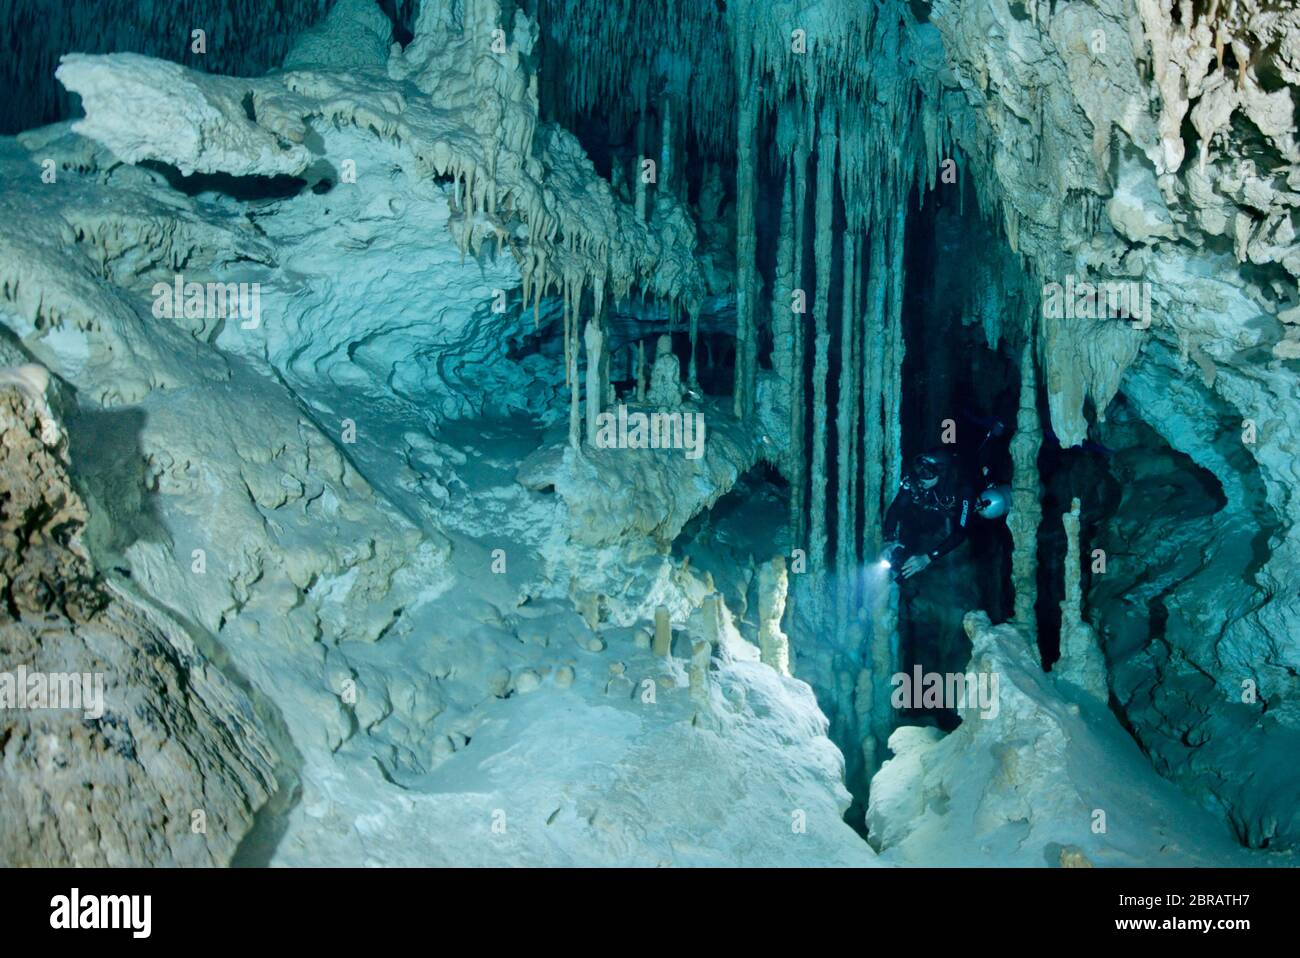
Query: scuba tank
[(994, 502)]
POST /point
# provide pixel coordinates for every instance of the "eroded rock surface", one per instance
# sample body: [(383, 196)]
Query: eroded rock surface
[(138, 750)]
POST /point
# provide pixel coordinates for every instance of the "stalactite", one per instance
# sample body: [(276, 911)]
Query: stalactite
[(872, 395), (798, 432), (568, 319), (784, 320), (746, 245), (692, 374), (872, 690), (575, 418), (595, 342), (666, 170), (855, 419), (1026, 510), (620, 175), (601, 317), (640, 370), (638, 172), (844, 456), (896, 349), (872, 694), (826, 145)]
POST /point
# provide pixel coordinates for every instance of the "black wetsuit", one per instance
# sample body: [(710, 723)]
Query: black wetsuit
[(932, 521)]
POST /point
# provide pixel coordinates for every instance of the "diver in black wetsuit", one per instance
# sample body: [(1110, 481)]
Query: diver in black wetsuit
[(929, 516)]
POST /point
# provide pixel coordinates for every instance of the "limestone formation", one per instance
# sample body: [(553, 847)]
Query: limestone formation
[(665, 376), (1081, 662), (126, 745), (774, 644), (663, 641), (701, 653), (1026, 511)]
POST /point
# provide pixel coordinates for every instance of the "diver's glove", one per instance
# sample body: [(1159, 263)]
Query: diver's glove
[(915, 564)]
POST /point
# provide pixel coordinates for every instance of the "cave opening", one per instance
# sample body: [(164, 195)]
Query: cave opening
[(723, 540)]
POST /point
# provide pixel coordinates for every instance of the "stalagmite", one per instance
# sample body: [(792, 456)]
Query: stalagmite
[(1026, 511), (698, 673), (821, 361), (1082, 662), (711, 611), (665, 375), (773, 644), (663, 642)]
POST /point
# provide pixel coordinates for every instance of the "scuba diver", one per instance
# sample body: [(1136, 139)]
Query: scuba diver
[(928, 518)]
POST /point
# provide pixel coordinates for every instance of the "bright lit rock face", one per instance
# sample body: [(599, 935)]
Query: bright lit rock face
[(1044, 777), (319, 399)]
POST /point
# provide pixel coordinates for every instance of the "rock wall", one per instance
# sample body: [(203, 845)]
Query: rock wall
[(1155, 143), (1038, 774), (138, 750)]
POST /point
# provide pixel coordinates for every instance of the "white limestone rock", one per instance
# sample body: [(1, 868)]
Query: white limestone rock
[(147, 109), (1045, 770)]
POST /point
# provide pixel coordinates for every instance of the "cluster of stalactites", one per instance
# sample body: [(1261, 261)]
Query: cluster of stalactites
[(623, 60), (531, 183), (871, 147), (828, 80)]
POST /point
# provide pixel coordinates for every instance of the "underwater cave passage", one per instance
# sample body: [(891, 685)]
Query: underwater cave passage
[(960, 386), (748, 521)]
